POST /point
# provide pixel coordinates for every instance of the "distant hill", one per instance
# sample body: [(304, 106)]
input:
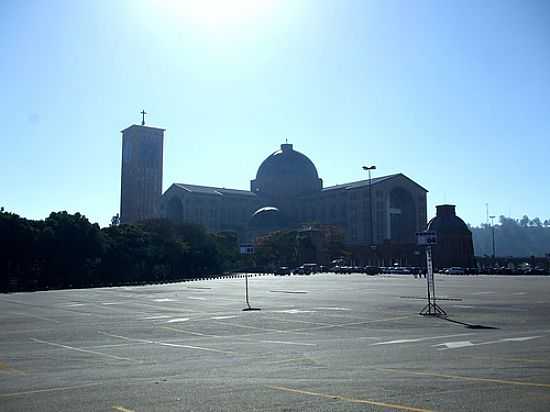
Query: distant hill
[(518, 238)]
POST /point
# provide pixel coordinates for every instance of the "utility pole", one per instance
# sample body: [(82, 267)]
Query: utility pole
[(371, 218), (493, 232)]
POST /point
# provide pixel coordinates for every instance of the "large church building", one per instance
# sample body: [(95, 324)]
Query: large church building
[(286, 193)]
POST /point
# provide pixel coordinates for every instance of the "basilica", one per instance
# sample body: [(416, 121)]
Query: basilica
[(286, 193)]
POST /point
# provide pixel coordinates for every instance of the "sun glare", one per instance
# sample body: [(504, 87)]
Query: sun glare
[(216, 14)]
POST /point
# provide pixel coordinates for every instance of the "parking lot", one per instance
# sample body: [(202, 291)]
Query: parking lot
[(323, 342)]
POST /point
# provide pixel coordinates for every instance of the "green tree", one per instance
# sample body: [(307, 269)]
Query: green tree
[(70, 248)]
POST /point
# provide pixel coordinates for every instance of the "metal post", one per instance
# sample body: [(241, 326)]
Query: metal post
[(494, 254), (370, 211), (246, 282), (493, 232), (371, 217), (248, 307), (432, 308)]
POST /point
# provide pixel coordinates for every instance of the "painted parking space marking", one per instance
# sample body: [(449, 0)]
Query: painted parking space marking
[(196, 298), (348, 399), (486, 292), (456, 345), (223, 317), (160, 343), (81, 350), (348, 324), (155, 317), (520, 339), (294, 311), (464, 344), (122, 408), (331, 308), (112, 303), (252, 327), (190, 332), (509, 359), (289, 291), (32, 392), (467, 378), (4, 368), (280, 342), (28, 315), (177, 320), (413, 340), (294, 320), (164, 300)]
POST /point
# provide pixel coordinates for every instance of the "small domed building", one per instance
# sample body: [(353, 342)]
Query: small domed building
[(454, 240)]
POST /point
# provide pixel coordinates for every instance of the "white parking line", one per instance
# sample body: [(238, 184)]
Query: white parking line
[(279, 342), (456, 345), (177, 320), (463, 344), (36, 317), (172, 345), (519, 339), (294, 311), (80, 350), (398, 341)]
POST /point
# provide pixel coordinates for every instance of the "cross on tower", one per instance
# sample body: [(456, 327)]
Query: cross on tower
[(143, 113)]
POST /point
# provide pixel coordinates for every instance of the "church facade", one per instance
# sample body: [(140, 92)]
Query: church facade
[(287, 192)]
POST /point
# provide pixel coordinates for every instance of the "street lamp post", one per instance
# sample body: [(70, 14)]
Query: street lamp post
[(368, 169), (493, 233)]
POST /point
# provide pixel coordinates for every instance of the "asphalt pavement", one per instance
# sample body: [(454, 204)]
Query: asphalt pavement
[(323, 342)]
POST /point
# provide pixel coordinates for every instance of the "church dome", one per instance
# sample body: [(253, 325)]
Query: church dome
[(446, 222), (286, 173)]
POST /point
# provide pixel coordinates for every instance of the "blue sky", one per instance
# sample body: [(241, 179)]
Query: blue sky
[(454, 94)]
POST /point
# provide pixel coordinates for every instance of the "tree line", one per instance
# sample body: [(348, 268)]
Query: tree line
[(67, 251), (523, 237)]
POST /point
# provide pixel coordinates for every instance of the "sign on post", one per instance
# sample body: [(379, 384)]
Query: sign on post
[(429, 239), (426, 238)]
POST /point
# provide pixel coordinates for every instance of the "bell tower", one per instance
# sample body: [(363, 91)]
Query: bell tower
[(141, 174)]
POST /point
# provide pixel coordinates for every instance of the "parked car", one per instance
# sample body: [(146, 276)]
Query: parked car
[(282, 271), (455, 271), (371, 270), (311, 268)]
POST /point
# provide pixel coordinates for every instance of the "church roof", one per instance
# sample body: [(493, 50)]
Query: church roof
[(136, 126), (217, 191), (363, 183)]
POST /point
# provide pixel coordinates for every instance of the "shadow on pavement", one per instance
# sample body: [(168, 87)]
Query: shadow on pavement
[(468, 325)]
